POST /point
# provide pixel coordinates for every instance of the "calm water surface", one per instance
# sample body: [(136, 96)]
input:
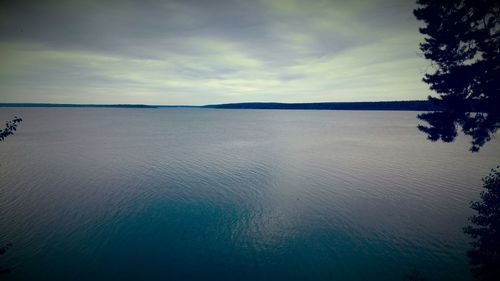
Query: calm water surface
[(194, 194)]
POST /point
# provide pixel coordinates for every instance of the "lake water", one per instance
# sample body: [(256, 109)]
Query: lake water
[(200, 194)]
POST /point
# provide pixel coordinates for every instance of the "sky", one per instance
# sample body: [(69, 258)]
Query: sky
[(196, 52)]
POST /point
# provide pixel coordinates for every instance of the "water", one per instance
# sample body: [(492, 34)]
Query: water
[(194, 194)]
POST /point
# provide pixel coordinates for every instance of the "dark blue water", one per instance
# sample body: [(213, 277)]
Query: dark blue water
[(193, 194)]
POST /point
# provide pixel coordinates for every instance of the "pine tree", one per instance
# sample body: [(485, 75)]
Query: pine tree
[(10, 128), (463, 43), (485, 255)]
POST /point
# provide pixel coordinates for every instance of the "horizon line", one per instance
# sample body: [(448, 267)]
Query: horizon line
[(4, 104)]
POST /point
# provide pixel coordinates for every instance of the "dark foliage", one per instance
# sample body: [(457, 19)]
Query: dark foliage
[(4, 249), (414, 275), (2, 252), (10, 128), (463, 43), (485, 255)]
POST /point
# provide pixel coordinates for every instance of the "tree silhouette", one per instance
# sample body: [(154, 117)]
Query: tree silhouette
[(414, 275), (10, 128), (463, 43), (485, 255), (2, 252)]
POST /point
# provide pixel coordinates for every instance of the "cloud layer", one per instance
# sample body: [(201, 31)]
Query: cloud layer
[(200, 52)]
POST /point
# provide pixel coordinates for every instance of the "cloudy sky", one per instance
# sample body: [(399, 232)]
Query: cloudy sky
[(197, 52)]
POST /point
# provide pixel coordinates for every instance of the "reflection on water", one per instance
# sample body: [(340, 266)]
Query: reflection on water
[(181, 194)]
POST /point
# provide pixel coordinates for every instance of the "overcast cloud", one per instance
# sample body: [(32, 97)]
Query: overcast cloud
[(201, 52)]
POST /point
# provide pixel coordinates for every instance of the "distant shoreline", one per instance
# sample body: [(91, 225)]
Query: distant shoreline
[(89, 105), (378, 105)]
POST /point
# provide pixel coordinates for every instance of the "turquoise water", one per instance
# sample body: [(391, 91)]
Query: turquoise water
[(194, 194)]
